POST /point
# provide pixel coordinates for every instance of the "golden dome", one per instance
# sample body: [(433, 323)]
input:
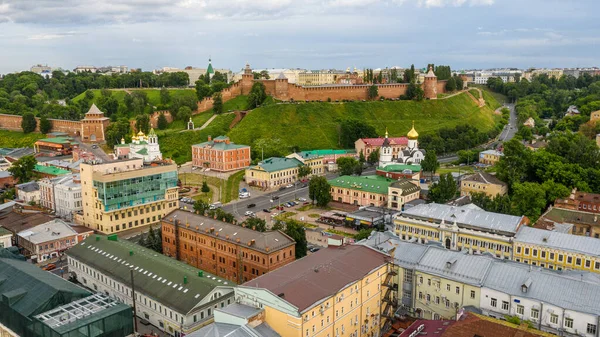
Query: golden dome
[(140, 133), (413, 134)]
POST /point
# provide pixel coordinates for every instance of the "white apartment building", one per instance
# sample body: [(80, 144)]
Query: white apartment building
[(28, 192), (62, 195), (173, 296)]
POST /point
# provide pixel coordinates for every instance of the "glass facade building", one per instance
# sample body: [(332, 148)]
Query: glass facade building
[(131, 192)]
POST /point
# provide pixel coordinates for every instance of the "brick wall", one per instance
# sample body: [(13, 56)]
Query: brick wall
[(13, 122)]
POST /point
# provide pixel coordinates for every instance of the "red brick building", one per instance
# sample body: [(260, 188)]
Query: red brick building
[(369, 145), (220, 154), (229, 251), (580, 201)]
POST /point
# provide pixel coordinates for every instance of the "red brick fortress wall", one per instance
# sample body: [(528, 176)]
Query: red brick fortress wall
[(13, 123)]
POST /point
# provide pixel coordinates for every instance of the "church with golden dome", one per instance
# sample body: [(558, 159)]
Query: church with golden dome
[(410, 155), (142, 146)]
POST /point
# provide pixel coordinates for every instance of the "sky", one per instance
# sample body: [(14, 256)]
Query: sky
[(312, 34)]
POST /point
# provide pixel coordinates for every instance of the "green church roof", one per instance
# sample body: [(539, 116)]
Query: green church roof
[(210, 69)]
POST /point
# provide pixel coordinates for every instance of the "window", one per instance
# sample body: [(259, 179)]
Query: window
[(504, 305), (458, 290), (535, 314), (520, 309), (591, 329), (569, 259), (553, 318), (494, 302), (569, 323), (448, 287), (472, 293)]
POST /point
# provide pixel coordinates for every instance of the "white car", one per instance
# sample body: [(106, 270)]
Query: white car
[(249, 213), (289, 186), (302, 199)]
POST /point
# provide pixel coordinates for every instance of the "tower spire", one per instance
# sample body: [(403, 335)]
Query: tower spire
[(386, 131)]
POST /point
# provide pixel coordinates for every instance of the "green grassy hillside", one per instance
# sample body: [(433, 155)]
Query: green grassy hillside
[(153, 94), (13, 139), (316, 125)]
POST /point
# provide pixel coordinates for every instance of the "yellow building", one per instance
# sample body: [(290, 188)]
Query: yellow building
[(555, 250), (127, 194), (490, 157), (482, 182), (318, 77), (273, 172), (310, 159), (467, 228), (340, 292)]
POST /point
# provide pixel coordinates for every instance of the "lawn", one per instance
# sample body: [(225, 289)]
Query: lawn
[(237, 103), (232, 186), (475, 93), (14, 139), (457, 169), (195, 179), (316, 125), (178, 145), (499, 98)]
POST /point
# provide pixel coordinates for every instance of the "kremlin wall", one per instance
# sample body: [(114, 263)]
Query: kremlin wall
[(92, 127)]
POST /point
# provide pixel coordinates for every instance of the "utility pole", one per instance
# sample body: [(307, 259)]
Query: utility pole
[(135, 326)]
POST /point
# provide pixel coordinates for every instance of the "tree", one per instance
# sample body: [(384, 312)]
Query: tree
[(512, 167), (201, 206), (451, 84), (372, 92), (319, 191), (28, 122), (205, 188), (347, 165), (295, 230), (363, 234), (162, 122), (165, 96), (269, 147), (217, 103), (153, 240), (256, 224), (184, 113), (353, 129), (203, 90), (303, 171), (45, 125), (117, 130), (373, 157), (22, 169), (430, 162), (528, 199), (413, 92), (361, 157), (444, 190), (142, 123), (257, 95)]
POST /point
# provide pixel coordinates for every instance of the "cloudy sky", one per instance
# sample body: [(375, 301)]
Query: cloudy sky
[(299, 33)]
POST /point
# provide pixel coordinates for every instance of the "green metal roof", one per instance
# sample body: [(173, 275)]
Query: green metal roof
[(373, 184), (143, 152), (57, 140), (275, 164), (155, 275), (400, 168), (329, 152), (5, 151), (210, 69), (4, 231), (31, 290), (51, 170)]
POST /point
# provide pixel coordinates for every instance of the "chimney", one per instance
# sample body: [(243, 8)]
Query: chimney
[(209, 138), (227, 141)]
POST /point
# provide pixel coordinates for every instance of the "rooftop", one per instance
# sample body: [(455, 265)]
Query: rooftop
[(400, 168), (31, 186), (50, 170), (16, 221), (483, 177), (379, 141), (57, 140), (329, 152), (263, 241), (407, 186), (571, 216), (4, 231), (49, 231), (170, 282), (372, 184), (471, 324), (492, 152), (465, 216), (221, 143), (275, 164), (315, 277), (553, 239)]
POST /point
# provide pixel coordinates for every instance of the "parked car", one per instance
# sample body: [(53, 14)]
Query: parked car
[(248, 213), (251, 205), (293, 203), (49, 266), (275, 198), (314, 249), (302, 199), (266, 210), (289, 186), (282, 188)]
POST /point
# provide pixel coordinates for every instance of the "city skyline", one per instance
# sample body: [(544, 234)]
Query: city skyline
[(151, 34)]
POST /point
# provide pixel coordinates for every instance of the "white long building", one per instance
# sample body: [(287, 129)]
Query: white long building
[(173, 296)]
